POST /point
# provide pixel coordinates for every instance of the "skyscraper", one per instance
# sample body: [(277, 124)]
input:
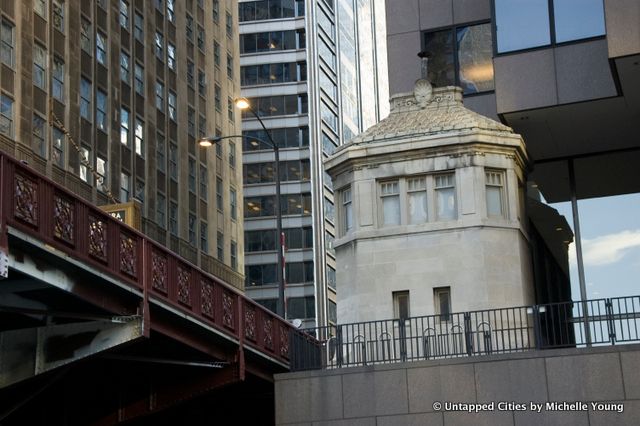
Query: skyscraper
[(109, 97), (316, 73)]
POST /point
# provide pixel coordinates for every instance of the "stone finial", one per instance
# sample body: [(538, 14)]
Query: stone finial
[(422, 90)]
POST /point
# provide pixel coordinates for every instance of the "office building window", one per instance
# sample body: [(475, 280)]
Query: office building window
[(202, 83), (219, 199), (234, 255), (494, 182), (445, 197), (86, 36), (204, 181), (125, 187), (7, 43), (200, 39), (125, 66), (161, 206), (101, 171), (289, 137), (331, 277), (58, 15), (273, 73), (461, 56), (230, 109), (57, 79), (390, 195), (216, 11), (161, 148), (192, 229), (40, 7), (85, 99), (160, 95), (204, 237), (171, 56), (39, 135), (173, 218), (124, 14), (101, 48), (271, 41), (190, 72), (417, 198), (347, 210), (192, 174), (85, 162), (139, 190), (173, 161), (218, 97), (189, 28), (278, 105), (220, 246), (528, 25), (401, 305), (301, 307), (138, 27), (173, 102), (159, 46), (202, 126), (39, 66), (101, 110), (234, 204), (58, 147), (293, 170), (442, 301), (271, 9), (124, 127), (229, 25), (216, 53), (229, 66), (232, 155), (171, 15), (139, 79), (260, 275), (139, 136), (191, 121)]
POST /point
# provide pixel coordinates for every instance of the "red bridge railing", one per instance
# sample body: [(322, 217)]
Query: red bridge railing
[(35, 205)]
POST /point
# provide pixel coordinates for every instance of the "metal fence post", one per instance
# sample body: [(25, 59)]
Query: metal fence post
[(537, 332), (403, 342), (468, 334), (610, 318), (339, 345)]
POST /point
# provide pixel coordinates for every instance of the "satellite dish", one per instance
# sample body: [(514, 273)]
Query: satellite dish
[(296, 323)]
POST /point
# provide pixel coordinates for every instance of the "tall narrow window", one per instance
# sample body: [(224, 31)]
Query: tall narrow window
[(173, 102), (171, 56), (229, 25), (171, 16), (401, 305), (85, 161), (101, 110), (139, 135), (39, 66), (216, 53), (159, 95), (190, 72), (85, 99), (189, 28), (417, 197), (204, 181), (192, 229), (160, 152), (234, 204), (232, 155), (173, 218), (125, 66), (138, 27), (125, 187), (390, 194), (101, 48), (204, 237), (216, 11), (445, 197), (234, 255), (219, 199), (192, 174), (200, 37), (58, 15), (161, 209), (230, 111), (124, 14), (442, 300), (58, 147), (347, 209), (39, 135), (202, 83), (220, 246), (495, 193), (40, 7), (191, 121), (139, 77), (7, 43), (229, 67), (173, 161), (86, 36), (159, 40), (218, 98), (6, 115), (124, 127), (57, 80), (101, 170)]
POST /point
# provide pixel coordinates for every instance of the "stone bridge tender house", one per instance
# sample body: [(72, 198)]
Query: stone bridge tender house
[(435, 215)]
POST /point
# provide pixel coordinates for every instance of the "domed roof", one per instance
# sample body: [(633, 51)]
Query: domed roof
[(429, 111)]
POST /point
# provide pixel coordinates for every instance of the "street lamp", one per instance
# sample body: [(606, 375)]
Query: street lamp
[(243, 103)]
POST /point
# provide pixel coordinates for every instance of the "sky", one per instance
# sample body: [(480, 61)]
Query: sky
[(610, 228)]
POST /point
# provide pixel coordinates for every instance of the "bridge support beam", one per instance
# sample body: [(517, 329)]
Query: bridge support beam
[(25, 353)]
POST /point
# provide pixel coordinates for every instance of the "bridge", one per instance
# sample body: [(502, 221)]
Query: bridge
[(101, 325)]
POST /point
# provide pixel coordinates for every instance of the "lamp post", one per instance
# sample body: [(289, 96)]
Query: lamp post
[(242, 103)]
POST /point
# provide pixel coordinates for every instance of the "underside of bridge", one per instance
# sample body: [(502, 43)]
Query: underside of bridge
[(75, 349)]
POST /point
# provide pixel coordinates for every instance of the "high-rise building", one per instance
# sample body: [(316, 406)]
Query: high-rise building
[(109, 97), (315, 72), (566, 76)]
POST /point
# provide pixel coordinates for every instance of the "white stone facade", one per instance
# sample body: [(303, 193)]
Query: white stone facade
[(482, 258)]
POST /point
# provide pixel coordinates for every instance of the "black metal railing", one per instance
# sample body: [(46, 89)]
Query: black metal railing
[(494, 331)]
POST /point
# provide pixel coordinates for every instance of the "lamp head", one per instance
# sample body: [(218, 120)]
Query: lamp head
[(242, 103), (207, 141)]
